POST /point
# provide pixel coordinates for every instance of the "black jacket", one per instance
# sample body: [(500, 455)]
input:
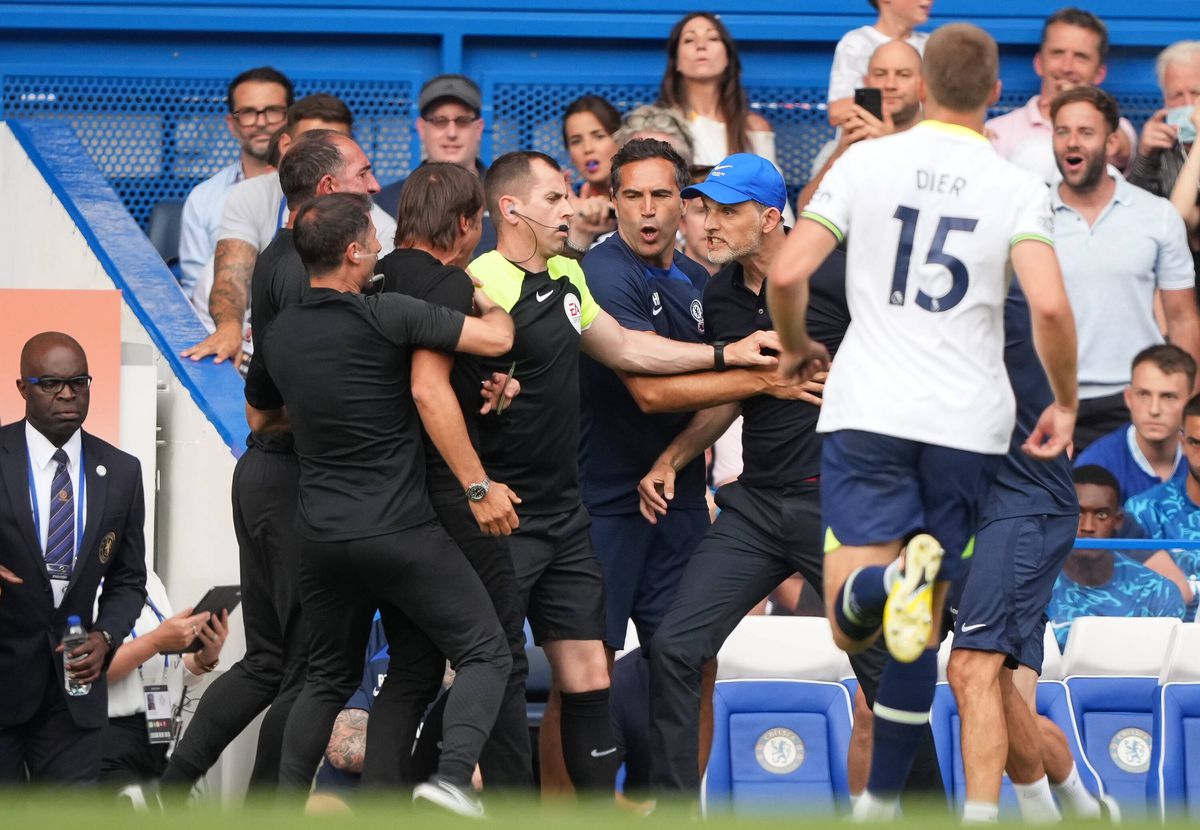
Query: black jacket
[(112, 550)]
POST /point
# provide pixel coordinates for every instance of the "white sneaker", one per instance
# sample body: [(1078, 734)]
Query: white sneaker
[(1110, 811), (449, 797)]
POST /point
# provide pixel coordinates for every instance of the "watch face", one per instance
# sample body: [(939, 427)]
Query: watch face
[(476, 492)]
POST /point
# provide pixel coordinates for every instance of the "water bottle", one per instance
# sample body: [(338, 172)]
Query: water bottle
[(74, 638)]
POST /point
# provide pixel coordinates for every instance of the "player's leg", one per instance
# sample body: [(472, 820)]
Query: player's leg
[(566, 612), (869, 503), (1057, 760), (734, 567), (1024, 761), (952, 485), (986, 638)]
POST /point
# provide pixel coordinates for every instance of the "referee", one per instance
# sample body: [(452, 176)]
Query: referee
[(340, 364), (534, 445)]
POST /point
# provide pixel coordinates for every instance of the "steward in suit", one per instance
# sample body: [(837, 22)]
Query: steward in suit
[(71, 516)]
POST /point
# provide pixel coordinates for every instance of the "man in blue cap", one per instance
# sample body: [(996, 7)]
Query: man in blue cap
[(770, 521), (639, 278)]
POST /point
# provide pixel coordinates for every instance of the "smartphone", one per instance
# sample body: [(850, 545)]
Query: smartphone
[(871, 100), (218, 599)]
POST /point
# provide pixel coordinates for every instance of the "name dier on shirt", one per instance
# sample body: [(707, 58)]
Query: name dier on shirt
[(936, 182)]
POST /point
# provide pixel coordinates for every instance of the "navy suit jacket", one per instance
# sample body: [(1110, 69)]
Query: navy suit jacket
[(112, 550)]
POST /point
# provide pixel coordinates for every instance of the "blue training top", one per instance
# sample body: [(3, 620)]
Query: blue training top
[(1133, 591), (1167, 512), (618, 442)]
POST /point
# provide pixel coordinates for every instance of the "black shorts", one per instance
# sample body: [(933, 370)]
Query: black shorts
[(561, 584), (1002, 606)]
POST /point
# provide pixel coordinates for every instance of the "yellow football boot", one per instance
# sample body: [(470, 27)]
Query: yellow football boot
[(908, 614)]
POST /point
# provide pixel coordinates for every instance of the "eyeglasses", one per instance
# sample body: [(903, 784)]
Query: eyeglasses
[(248, 116), (52, 385), (663, 122), (441, 122)]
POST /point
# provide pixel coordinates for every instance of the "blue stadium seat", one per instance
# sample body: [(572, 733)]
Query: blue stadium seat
[(1173, 786), (1116, 721), (778, 746), (1053, 702), (1171, 791), (166, 220)]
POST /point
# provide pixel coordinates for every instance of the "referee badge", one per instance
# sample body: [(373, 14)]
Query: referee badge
[(574, 312), (106, 546)]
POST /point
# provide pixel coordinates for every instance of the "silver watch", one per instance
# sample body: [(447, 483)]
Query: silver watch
[(479, 490)]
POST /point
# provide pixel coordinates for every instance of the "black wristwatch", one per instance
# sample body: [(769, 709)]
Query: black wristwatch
[(719, 356), (479, 490)]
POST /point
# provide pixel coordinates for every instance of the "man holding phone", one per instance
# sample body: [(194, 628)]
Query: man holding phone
[(887, 103)]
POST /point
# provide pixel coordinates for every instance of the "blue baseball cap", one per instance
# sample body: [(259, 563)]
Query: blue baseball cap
[(742, 177)]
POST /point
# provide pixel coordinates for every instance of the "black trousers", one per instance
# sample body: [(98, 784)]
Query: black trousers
[(129, 757), (418, 579), (1098, 417), (761, 537), (415, 670), (50, 748), (265, 493)]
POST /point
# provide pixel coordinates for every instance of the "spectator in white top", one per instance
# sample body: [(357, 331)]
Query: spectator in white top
[(703, 80), (897, 20), (1073, 53), (258, 102), (151, 656), (254, 213), (1117, 245)]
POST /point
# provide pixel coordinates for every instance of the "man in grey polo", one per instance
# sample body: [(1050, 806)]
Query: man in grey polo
[(1117, 244)]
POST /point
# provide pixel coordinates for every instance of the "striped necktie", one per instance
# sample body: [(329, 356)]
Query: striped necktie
[(60, 535)]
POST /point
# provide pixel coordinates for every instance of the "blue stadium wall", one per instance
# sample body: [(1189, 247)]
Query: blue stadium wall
[(142, 82)]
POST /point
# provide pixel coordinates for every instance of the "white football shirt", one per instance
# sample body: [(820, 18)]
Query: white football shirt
[(930, 215)]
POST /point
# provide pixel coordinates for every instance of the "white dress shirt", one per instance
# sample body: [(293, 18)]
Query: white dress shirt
[(41, 462)]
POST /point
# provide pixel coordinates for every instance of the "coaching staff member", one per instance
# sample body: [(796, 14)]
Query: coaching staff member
[(341, 364), (266, 486), (440, 221), (71, 516)]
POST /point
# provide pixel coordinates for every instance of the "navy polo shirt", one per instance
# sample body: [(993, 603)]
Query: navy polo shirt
[(619, 443)]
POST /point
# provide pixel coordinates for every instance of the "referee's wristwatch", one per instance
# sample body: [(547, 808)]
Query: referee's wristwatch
[(479, 490)]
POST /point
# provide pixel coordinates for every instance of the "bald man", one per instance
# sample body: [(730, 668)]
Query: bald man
[(71, 515)]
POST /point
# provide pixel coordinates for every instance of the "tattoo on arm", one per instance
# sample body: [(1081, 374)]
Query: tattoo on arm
[(348, 742), (231, 281)]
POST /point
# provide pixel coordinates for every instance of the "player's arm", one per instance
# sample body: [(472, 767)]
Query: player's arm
[(643, 352), (227, 302), (348, 742), (267, 420), (443, 419), (699, 390), (1054, 339), (657, 487), (805, 248)]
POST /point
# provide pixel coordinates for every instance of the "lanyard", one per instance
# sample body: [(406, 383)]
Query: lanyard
[(133, 633), (279, 221), (79, 503)]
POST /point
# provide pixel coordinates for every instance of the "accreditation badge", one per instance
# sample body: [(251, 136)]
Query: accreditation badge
[(160, 719)]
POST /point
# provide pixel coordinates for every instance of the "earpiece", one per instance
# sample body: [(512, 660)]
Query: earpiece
[(512, 210)]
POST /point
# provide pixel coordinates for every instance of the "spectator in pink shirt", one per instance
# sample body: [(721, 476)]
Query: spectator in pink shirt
[(1073, 53)]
